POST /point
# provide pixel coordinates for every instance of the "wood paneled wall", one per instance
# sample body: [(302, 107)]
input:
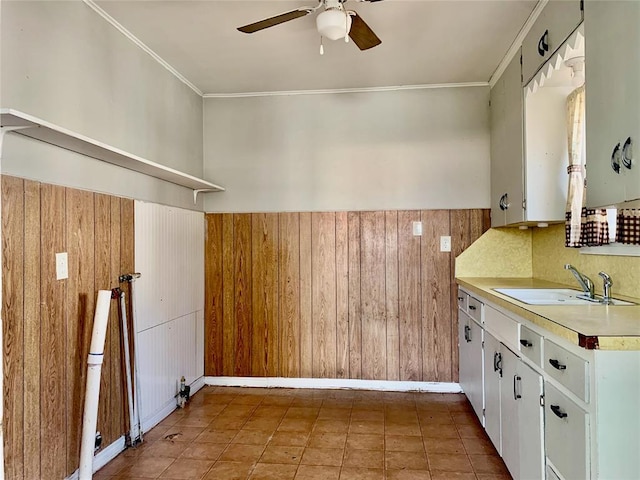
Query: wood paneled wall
[(47, 322), (334, 295)]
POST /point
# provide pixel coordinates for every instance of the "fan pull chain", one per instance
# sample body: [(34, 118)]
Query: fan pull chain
[(321, 46)]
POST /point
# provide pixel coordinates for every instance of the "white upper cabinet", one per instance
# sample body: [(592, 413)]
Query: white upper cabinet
[(555, 23), (612, 32), (507, 187)]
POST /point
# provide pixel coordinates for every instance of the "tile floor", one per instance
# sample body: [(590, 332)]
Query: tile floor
[(279, 434)]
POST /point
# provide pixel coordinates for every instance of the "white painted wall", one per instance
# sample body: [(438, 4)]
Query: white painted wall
[(169, 253), (402, 149), (62, 62)]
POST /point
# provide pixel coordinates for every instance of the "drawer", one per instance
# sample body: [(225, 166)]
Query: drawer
[(462, 300), (566, 434), (502, 327), (531, 345), (569, 369), (474, 308)]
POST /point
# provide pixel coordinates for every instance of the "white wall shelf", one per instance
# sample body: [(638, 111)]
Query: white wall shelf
[(33, 127)]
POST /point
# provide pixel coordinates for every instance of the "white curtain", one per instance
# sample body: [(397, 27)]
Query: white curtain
[(576, 169), (583, 227)]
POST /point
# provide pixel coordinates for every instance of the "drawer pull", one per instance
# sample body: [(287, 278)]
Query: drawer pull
[(557, 365), (472, 307), (526, 343), (467, 333), (559, 413)]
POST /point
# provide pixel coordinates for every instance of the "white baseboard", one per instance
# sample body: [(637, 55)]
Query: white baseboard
[(103, 457), (156, 417), (334, 383), (150, 422), (197, 384), (112, 451)]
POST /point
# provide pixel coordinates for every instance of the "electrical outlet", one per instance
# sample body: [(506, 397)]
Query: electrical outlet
[(417, 229), (62, 266), (445, 244)]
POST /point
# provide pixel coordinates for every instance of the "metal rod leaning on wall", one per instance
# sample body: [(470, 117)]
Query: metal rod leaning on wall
[(134, 435)]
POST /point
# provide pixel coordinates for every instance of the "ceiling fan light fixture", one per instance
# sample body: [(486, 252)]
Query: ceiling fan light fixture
[(333, 24)]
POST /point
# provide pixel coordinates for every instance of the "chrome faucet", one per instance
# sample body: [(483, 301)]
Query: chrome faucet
[(606, 288), (584, 281)]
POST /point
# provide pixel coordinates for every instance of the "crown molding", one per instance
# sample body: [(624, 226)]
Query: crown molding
[(346, 90), (517, 43), (141, 45)]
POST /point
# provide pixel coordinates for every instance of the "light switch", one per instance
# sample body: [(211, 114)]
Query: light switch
[(62, 266), (417, 229), (445, 244)]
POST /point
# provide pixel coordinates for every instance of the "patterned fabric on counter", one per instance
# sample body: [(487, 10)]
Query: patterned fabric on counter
[(628, 227), (594, 229)]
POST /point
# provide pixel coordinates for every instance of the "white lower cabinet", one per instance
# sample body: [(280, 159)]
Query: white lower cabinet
[(492, 389), (509, 413), (521, 418), (529, 389), (471, 371), (552, 409)]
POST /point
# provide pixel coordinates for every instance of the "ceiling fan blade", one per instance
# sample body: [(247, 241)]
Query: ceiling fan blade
[(361, 34), (277, 20)]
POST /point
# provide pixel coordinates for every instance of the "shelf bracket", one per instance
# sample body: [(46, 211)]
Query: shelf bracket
[(201, 190), (4, 130)]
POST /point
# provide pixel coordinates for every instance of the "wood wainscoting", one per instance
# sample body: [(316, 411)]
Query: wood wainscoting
[(334, 294), (47, 322)]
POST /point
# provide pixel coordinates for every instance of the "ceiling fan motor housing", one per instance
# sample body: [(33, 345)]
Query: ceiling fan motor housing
[(333, 23)]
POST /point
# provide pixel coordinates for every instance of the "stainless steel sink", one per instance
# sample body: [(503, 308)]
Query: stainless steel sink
[(553, 296)]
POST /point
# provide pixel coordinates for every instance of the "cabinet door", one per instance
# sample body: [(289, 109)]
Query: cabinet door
[(509, 411), (476, 391), (530, 423), (611, 30), (464, 352), (630, 50), (492, 380), (507, 180), (559, 18)]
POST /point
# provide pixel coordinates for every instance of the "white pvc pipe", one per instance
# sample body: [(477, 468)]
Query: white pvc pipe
[(96, 355)]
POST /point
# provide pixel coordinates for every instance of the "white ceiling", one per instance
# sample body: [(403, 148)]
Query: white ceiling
[(423, 42)]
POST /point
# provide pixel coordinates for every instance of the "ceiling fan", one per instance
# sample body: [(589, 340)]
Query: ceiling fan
[(333, 22)]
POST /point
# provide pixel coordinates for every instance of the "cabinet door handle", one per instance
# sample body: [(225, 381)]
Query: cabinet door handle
[(460, 299), (526, 343), (559, 413), (467, 333), (615, 158), (557, 365), (497, 363), (472, 307), (627, 153), (516, 380), (543, 43), (504, 202)]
